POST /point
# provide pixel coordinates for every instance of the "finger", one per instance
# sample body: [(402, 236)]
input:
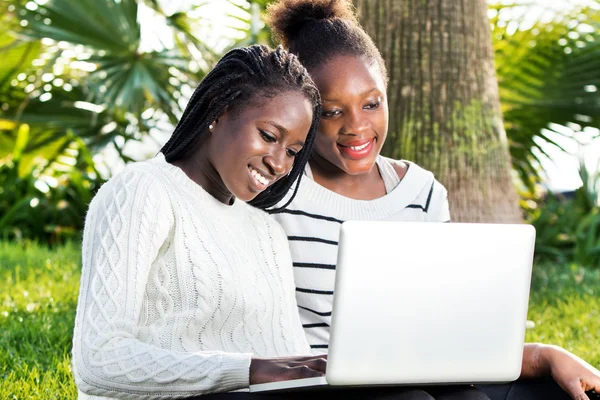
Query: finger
[(310, 358), (318, 364), (596, 384), (592, 383), (297, 359), (575, 390), (302, 371)]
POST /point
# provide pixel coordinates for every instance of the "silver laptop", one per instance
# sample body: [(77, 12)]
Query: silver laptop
[(427, 303)]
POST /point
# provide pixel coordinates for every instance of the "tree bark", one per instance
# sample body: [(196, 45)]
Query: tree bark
[(443, 98)]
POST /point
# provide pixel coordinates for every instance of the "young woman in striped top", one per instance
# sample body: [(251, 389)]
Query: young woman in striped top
[(347, 178)]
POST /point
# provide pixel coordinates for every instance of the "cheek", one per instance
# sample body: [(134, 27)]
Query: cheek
[(328, 132), (242, 148), (324, 143)]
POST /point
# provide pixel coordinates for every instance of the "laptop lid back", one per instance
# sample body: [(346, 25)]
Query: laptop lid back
[(423, 303)]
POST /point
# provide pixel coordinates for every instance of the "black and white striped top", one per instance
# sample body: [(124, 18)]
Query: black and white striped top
[(312, 223)]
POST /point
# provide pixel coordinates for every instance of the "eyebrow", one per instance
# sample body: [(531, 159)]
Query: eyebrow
[(283, 130), (363, 94)]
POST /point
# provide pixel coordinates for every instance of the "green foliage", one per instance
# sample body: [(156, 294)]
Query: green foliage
[(568, 230), (77, 78), (548, 77), (38, 296), (80, 67), (249, 18), (46, 199)]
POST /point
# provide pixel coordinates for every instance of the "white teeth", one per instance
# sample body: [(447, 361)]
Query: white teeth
[(257, 175), (362, 146)]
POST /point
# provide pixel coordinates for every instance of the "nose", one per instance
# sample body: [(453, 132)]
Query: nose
[(278, 162), (355, 122)]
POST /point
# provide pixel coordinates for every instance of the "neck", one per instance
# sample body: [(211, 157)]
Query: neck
[(365, 186), (200, 170)]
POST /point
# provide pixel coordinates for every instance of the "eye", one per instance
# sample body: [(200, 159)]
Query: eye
[(332, 113), (373, 106), (292, 152), (267, 137)]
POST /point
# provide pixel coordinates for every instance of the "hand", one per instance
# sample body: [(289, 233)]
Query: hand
[(263, 370), (571, 373)]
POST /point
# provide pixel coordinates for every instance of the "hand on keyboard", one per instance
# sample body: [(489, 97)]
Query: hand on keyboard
[(263, 370)]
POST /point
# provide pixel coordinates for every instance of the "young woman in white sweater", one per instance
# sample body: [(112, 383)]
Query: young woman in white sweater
[(185, 288), (347, 179)]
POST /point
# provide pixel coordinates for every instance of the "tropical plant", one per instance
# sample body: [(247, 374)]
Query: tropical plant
[(548, 75), (93, 74), (45, 199), (568, 228), (248, 21), (77, 77)]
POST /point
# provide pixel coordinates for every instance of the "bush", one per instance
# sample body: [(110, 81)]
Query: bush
[(46, 200), (568, 229)]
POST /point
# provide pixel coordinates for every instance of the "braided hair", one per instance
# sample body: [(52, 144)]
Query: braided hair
[(319, 30), (241, 76)]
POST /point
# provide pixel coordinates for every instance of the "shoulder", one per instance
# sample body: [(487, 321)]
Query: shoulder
[(410, 172), (421, 183), (400, 167), (136, 182)]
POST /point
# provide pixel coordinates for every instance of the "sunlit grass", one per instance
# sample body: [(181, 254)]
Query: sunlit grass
[(38, 295), (39, 290), (565, 306)]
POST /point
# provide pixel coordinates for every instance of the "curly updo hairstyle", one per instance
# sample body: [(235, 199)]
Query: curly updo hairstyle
[(318, 30)]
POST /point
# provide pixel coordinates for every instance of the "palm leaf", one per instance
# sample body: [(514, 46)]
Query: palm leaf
[(542, 84)]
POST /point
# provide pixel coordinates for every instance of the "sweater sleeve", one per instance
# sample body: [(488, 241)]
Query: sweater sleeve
[(439, 209), (127, 225)]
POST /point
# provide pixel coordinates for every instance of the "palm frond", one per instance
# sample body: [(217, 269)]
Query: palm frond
[(543, 83)]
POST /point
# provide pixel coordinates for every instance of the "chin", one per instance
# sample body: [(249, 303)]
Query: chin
[(246, 197), (358, 167)]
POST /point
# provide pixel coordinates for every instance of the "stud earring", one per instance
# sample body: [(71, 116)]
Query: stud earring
[(211, 127)]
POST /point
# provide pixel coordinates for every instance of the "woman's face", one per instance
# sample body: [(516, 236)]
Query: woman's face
[(254, 145), (354, 120)]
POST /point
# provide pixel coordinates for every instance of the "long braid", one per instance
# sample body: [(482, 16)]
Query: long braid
[(243, 74)]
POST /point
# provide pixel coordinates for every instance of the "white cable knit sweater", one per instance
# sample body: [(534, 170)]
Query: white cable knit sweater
[(178, 290)]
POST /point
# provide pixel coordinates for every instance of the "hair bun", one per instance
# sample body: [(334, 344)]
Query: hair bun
[(287, 17)]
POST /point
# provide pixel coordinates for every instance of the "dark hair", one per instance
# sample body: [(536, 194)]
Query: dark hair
[(241, 76), (318, 30)]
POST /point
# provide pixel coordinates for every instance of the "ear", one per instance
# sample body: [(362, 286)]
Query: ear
[(213, 125)]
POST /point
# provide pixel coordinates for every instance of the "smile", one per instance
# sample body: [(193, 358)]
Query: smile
[(357, 149), (261, 182)]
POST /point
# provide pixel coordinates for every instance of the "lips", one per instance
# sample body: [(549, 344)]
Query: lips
[(356, 149)]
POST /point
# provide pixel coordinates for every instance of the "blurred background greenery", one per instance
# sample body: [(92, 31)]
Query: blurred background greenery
[(89, 85)]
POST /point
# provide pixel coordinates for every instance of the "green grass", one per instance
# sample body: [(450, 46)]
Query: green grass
[(565, 306), (38, 294)]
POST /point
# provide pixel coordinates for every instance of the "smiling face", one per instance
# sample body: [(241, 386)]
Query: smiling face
[(253, 146), (354, 120)]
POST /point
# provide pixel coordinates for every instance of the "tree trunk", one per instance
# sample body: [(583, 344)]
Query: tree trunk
[(443, 97)]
